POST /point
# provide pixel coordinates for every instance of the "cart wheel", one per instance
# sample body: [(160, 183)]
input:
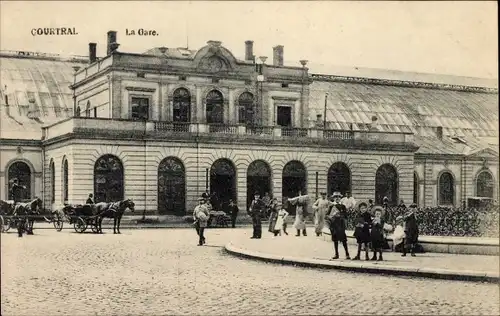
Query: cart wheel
[(80, 225), (58, 224)]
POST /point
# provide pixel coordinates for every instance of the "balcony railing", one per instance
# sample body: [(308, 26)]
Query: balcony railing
[(76, 124)]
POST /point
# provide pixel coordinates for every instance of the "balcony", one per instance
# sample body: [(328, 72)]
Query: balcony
[(127, 129)]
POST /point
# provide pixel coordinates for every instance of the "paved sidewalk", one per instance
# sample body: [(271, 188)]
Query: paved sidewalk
[(314, 251)]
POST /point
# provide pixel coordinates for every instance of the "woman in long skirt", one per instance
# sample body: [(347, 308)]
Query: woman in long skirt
[(320, 207), (273, 214), (300, 213)]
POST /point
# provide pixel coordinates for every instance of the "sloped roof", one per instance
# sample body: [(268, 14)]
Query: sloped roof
[(176, 52), (405, 109)]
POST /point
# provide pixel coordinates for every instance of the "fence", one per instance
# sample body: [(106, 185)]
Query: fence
[(444, 221)]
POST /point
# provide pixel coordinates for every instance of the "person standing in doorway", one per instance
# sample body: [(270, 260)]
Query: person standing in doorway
[(200, 216), (233, 212), (90, 199), (256, 209)]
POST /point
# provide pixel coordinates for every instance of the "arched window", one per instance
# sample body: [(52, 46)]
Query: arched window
[(21, 171), (294, 181), (222, 182), (52, 170), (87, 110), (108, 179), (415, 188), (215, 107), (182, 105), (339, 178), (259, 179), (386, 184), (65, 180), (171, 187), (245, 108), (446, 189), (484, 184)]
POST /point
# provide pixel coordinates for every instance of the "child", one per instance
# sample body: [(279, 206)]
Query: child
[(377, 233), (280, 222), (362, 231), (399, 233)]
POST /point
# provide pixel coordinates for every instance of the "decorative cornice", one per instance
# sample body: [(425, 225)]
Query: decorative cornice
[(139, 89), (401, 83), (20, 142), (278, 98)]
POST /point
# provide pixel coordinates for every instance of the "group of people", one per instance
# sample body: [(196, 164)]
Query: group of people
[(372, 224)]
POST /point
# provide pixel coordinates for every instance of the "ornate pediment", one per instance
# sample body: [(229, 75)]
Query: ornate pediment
[(214, 58)]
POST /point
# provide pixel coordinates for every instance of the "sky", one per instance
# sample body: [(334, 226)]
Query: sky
[(456, 38)]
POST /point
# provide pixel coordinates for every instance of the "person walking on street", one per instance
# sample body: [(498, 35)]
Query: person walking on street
[(16, 192), (362, 231), (233, 212), (320, 208), (256, 210), (411, 231), (274, 208), (200, 215), (337, 223), (280, 224), (300, 213)]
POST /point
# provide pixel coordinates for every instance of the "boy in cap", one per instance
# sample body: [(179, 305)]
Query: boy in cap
[(337, 222), (411, 230), (256, 209), (201, 215)]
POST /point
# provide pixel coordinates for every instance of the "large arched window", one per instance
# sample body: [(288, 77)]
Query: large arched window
[(484, 184), (245, 108), (52, 170), (215, 107), (182, 105), (386, 184), (259, 178), (294, 181), (108, 179), (222, 182), (21, 171), (171, 187), (446, 187), (65, 180), (339, 178)]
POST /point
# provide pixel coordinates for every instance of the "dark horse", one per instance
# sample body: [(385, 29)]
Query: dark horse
[(22, 212), (112, 210)]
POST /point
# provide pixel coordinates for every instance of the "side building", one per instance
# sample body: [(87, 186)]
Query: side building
[(164, 126)]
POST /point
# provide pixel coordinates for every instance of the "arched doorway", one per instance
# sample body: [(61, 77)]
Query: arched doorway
[(485, 185), (258, 179), (215, 107), (386, 184), (446, 187), (171, 187), (108, 179), (182, 105), (339, 179), (415, 188), (21, 171), (294, 181), (222, 182), (245, 108)]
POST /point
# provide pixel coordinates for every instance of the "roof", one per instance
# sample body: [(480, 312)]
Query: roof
[(179, 52)]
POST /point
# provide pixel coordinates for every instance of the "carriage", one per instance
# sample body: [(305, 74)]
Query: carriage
[(9, 220), (80, 216), (22, 218)]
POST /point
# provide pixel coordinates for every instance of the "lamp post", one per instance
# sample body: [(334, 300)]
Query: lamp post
[(260, 81), (324, 112), (303, 62), (75, 68)]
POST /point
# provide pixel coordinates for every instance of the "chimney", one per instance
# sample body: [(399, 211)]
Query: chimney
[(439, 132), (112, 44), (92, 52), (278, 55), (249, 51)]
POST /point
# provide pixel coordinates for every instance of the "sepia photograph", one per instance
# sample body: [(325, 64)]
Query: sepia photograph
[(249, 158)]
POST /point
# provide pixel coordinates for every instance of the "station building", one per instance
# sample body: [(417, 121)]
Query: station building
[(166, 125)]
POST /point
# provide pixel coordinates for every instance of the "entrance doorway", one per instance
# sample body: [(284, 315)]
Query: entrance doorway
[(339, 179), (222, 183), (284, 116), (21, 171), (294, 181), (171, 187), (258, 179)]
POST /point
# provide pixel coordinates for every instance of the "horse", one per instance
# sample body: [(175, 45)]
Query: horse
[(23, 211), (112, 210), (6, 208)]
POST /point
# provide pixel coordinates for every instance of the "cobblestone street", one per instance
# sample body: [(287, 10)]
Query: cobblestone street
[(162, 271)]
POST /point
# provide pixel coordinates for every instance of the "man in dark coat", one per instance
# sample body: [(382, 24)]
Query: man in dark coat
[(411, 231), (233, 212), (17, 191), (90, 199), (336, 219), (256, 209)]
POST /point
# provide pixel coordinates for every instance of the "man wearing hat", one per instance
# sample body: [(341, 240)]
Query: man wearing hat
[(17, 191), (320, 208), (411, 230), (337, 221), (256, 209), (201, 215)]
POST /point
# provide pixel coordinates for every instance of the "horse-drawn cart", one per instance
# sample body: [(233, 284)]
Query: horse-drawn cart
[(80, 216)]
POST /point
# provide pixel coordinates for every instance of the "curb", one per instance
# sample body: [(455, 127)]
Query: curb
[(443, 274)]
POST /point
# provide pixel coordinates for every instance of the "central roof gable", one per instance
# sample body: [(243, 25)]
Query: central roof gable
[(214, 57)]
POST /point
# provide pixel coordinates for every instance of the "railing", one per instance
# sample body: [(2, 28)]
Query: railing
[(294, 132), (222, 129), (441, 221), (176, 127), (334, 134), (260, 130)]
